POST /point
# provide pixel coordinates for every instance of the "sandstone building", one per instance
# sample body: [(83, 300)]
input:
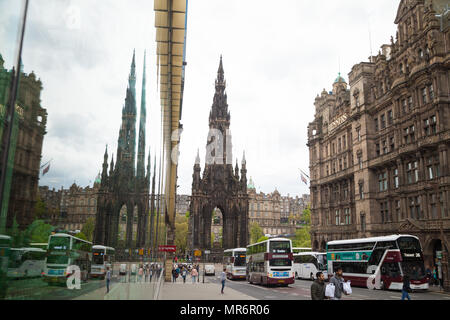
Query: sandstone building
[(379, 144)]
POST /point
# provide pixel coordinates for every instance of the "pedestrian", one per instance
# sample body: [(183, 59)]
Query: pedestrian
[(146, 272), (108, 279), (194, 275), (406, 287), (338, 282), (223, 277), (151, 273), (441, 280), (183, 274), (435, 276), (428, 274), (174, 275), (141, 273), (178, 271), (318, 287)]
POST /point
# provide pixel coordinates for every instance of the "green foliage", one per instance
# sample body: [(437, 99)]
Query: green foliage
[(81, 235), (37, 231), (181, 232), (263, 238), (40, 209), (213, 237), (255, 232), (188, 214), (302, 235), (88, 228)]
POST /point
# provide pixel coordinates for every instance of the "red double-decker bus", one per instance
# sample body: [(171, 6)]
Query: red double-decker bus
[(270, 262), (379, 262)]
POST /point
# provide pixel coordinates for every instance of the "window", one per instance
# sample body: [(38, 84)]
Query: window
[(444, 211), (390, 117), (433, 167), (384, 211), (383, 121), (414, 208), (376, 124), (426, 127), (339, 144), (327, 171), (345, 162), (412, 172), (360, 161), (424, 95), (363, 222), (358, 133), (396, 181), (361, 190), (382, 180), (404, 110), (392, 144), (385, 148), (410, 104), (377, 149), (433, 205), (431, 91), (346, 191), (398, 211), (338, 217), (344, 142), (340, 164), (348, 218)]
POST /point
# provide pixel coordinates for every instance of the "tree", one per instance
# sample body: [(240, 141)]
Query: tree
[(255, 232), (88, 228), (81, 236), (181, 233), (263, 238), (303, 235), (40, 209)]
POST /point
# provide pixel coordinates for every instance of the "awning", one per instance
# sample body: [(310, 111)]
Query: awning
[(170, 23)]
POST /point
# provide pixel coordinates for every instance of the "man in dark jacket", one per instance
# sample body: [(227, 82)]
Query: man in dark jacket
[(318, 287), (406, 287)]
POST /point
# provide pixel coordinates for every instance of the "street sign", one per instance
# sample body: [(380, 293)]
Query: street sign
[(197, 253), (162, 248), (141, 252)]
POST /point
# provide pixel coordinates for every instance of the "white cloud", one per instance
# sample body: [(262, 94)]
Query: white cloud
[(278, 55)]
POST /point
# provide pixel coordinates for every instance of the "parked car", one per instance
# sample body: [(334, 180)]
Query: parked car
[(123, 269), (210, 270)]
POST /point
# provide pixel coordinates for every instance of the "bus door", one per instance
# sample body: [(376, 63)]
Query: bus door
[(390, 269)]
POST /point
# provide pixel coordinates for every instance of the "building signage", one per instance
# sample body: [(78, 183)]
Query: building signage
[(167, 248), (337, 122)]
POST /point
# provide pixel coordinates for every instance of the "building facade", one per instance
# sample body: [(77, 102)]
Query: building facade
[(26, 145), (276, 215), (379, 145)]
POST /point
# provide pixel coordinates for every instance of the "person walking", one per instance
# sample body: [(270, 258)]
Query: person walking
[(318, 287), (429, 275), (435, 279), (194, 275), (174, 275), (223, 277), (108, 279), (141, 273), (441, 279), (338, 282), (150, 273), (183, 274), (406, 287), (146, 272)]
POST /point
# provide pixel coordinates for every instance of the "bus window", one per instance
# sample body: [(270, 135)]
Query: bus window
[(57, 259), (239, 261), (280, 247), (59, 243), (280, 262)]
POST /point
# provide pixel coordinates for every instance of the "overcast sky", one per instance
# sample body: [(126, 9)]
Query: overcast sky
[(277, 56)]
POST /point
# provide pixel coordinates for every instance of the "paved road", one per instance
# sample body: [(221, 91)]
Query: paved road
[(300, 290)]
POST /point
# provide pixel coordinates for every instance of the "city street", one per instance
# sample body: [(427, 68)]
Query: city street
[(300, 290)]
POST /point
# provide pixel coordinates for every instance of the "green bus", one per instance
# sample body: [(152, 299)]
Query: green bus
[(65, 250)]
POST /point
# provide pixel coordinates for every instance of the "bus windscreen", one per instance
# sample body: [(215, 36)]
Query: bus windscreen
[(59, 243), (97, 257), (280, 247)]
